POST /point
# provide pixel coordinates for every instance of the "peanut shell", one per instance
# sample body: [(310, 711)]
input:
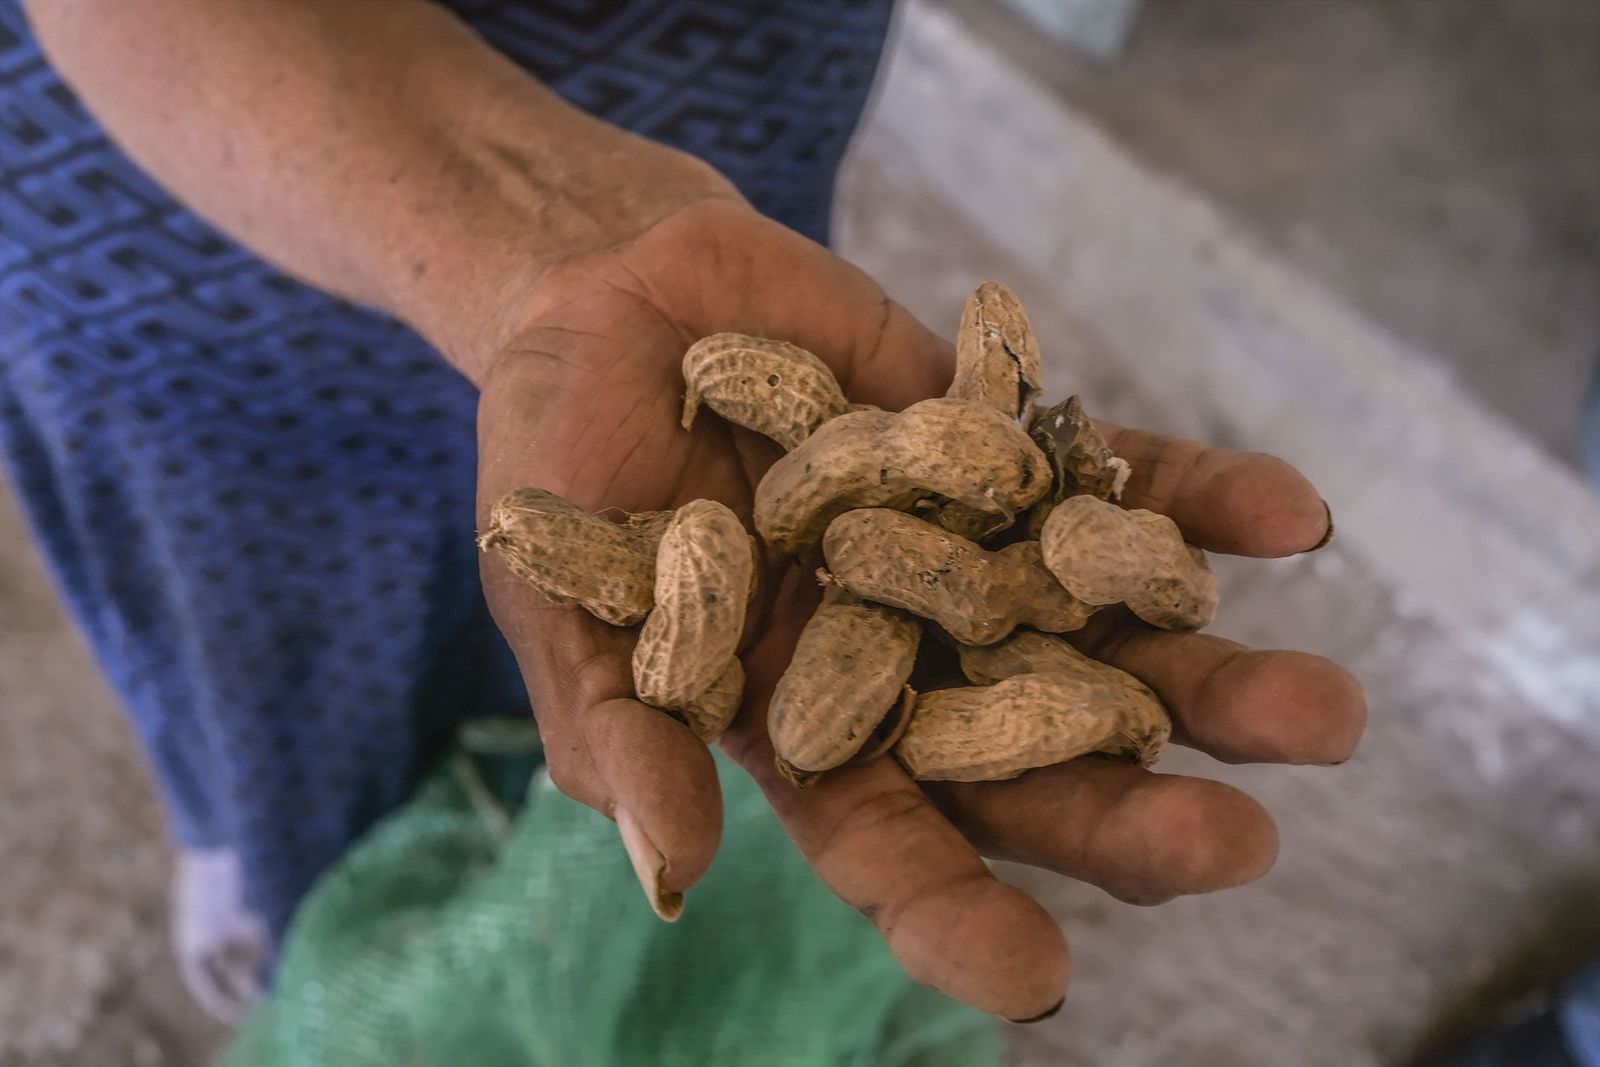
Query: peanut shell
[(848, 671), (1105, 554), (997, 356), (772, 387), (705, 572), (993, 732), (1032, 652), (572, 556), (942, 449), (977, 595), (710, 713), (1079, 458)]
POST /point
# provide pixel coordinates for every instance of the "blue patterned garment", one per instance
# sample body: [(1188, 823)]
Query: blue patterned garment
[(257, 498)]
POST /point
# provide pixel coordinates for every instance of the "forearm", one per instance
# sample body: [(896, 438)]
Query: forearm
[(375, 148)]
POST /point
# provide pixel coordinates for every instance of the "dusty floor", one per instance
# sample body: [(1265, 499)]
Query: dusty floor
[(85, 976), (1436, 162), (1468, 823)]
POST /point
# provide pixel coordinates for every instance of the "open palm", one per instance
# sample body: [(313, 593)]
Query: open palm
[(585, 402)]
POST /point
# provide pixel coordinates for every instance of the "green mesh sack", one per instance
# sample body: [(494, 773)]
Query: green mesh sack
[(466, 932)]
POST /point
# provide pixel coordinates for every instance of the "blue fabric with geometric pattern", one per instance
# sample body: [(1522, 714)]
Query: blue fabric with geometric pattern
[(257, 499)]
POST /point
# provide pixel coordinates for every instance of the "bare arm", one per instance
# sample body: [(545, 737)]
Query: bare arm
[(375, 148)]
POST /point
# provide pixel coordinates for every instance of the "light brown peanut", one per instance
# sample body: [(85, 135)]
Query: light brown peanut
[(1079, 458), (772, 387), (1024, 652), (940, 449), (1105, 554), (848, 671), (710, 713), (1032, 652), (991, 732), (705, 573), (573, 556), (997, 356), (977, 595)]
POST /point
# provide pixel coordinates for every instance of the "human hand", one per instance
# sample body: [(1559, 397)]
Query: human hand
[(585, 401)]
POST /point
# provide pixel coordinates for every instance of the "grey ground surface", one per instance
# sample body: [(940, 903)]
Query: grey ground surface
[(1436, 162), (1463, 589)]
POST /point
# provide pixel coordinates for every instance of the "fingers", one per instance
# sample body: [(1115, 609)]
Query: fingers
[(1241, 503), (604, 748), (1238, 704), (899, 363), (874, 839), (1144, 838)]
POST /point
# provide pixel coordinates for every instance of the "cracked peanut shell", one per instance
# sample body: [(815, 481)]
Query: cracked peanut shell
[(997, 355), (1080, 459)]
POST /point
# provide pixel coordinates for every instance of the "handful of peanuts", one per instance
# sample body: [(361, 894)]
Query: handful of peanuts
[(967, 517)]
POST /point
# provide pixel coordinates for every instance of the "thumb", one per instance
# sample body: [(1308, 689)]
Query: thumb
[(628, 761)]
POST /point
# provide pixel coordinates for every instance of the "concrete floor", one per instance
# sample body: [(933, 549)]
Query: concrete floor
[(85, 976), (1468, 824), (1435, 162)]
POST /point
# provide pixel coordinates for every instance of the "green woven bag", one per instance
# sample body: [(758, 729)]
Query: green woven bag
[(464, 932)]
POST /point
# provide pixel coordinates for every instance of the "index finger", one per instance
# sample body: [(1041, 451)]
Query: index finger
[(1241, 503), (880, 845)]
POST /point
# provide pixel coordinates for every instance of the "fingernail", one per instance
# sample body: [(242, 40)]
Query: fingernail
[(648, 865), (1042, 1016), (1327, 536)]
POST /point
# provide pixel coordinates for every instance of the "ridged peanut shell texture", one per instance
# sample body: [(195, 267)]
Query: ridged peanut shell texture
[(997, 356), (772, 387), (705, 569), (710, 713), (1031, 652), (1105, 554), (987, 733), (939, 449), (977, 595), (848, 671), (572, 556)]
